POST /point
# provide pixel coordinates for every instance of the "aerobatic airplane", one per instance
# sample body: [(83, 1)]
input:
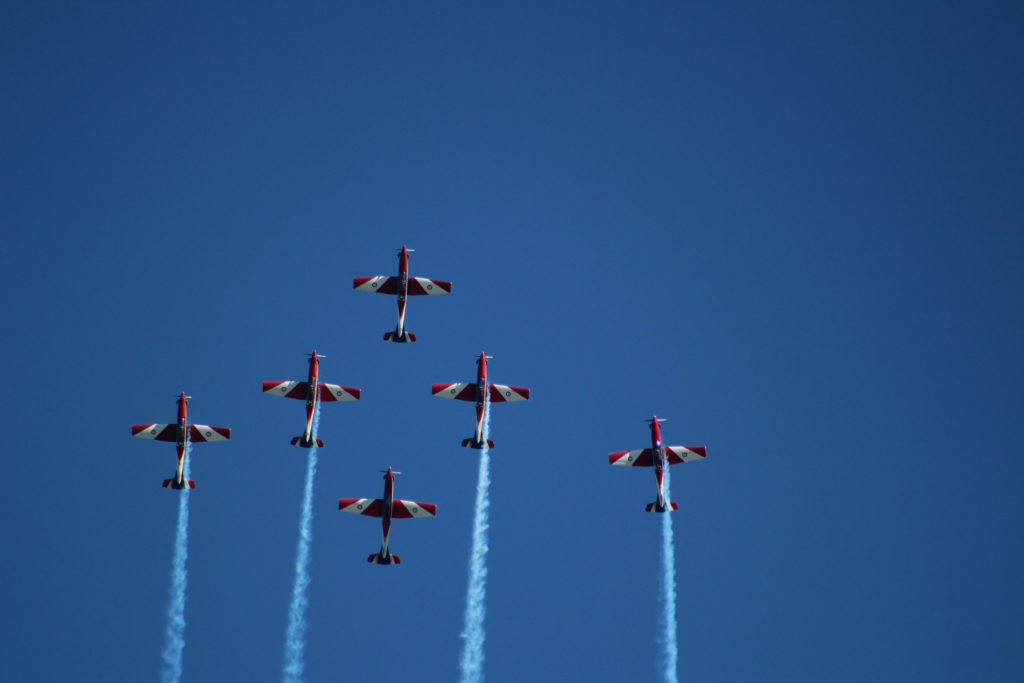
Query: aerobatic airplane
[(183, 433), (656, 456), (466, 391), (312, 390), (402, 286), (387, 508)]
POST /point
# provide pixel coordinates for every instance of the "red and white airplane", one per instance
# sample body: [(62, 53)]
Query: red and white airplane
[(466, 391), (387, 508), (183, 433), (312, 390), (656, 456), (403, 286)]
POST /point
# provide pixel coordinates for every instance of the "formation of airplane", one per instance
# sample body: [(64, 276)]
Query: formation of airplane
[(387, 508), (312, 390), (183, 433), (402, 286), (477, 391), (657, 456)]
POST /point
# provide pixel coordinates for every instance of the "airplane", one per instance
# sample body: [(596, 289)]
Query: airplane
[(465, 391), (403, 286), (183, 433), (387, 508), (656, 457), (312, 390)]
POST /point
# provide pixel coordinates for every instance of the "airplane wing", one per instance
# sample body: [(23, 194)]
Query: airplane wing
[(410, 508), (382, 284), (333, 392), (160, 432), (502, 392), (463, 391), (676, 454), (290, 389), (422, 285), (638, 458), (361, 506), (201, 433)]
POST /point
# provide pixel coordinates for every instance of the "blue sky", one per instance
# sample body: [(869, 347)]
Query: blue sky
[(792, 230)]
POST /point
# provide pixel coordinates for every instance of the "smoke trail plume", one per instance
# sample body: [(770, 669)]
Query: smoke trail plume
[(174, 634), (668, 617), (476, 592), (295, 635)]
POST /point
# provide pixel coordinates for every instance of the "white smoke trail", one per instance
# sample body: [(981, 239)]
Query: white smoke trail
[(174, 634), (476, 592), (668, 558), (295, 635)]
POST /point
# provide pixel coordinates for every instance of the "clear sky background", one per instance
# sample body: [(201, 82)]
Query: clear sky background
[(793, 230)]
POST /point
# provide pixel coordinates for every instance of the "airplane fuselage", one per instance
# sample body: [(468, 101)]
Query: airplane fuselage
[(481, 394), (658, 461), (385, 513), (182, 444), (312, 395), (403, 288)]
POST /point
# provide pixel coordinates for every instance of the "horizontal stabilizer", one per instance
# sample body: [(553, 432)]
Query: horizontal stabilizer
[(377, 558), (473, 443), (653, 507), (300, 441), (171, 484), (406, 336)]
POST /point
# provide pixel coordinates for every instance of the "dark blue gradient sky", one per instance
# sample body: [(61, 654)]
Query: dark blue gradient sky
[(793, 230)]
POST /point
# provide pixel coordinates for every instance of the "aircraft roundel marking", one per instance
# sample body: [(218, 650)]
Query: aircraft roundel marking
[(429, 287), (415, 509), (337, 393), (374, 285), (208, 432), (452, 390), (152, 431), (508, 393), (359, 506)]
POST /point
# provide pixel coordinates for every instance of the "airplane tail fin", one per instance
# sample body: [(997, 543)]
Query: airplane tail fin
[(653, 507), (378, 558), (171, 484), (473, 443), (406, 336), (300, 441)]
